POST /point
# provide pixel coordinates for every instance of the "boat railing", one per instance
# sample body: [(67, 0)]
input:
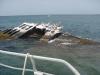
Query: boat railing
[(34, 69)]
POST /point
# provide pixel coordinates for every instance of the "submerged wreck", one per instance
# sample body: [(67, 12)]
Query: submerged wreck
[(33, 30), (43, 32)]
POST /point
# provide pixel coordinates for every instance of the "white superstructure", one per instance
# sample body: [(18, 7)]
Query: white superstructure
[(25, 27)]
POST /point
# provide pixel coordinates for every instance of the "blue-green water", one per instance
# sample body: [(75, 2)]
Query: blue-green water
[(85, 58)]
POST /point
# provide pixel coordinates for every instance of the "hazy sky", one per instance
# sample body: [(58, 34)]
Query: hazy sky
[(36, 7)]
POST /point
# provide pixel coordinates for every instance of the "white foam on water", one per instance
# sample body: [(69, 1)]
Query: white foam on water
[(66, 43), (51, 41)]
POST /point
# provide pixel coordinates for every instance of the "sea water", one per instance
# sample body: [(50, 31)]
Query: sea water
[(85, 58)]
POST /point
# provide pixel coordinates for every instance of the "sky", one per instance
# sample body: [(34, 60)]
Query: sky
[(42, 7)]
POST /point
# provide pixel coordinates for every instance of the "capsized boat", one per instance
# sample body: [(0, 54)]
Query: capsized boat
[(48, 31)]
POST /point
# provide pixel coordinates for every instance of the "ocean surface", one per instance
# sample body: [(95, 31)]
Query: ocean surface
[(85, 58)]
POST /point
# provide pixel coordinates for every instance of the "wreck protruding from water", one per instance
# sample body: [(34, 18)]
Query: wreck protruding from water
[(34, 30), (44, 32)]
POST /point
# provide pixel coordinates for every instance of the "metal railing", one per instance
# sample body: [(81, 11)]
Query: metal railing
[(32, 57)]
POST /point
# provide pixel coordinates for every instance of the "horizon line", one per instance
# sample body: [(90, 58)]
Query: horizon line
[(47, 14)]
